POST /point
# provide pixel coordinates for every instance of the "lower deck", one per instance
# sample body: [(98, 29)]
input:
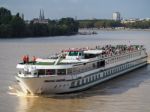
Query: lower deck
[(36, 85)]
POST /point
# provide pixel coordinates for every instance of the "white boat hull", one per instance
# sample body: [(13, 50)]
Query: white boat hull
[(60, 84)]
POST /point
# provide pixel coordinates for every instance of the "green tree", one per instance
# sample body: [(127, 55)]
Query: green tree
[(15, 26), (18, 26), (39, 29), (68, 25), (5, 16), (5, 31)]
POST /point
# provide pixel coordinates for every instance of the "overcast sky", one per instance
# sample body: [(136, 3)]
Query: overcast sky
[(82, 9)]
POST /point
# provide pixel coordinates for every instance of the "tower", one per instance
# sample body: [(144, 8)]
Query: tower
[(41, 16), (116, 16)]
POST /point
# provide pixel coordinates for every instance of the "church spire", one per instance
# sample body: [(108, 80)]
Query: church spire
[(43, 14), (40, 16)]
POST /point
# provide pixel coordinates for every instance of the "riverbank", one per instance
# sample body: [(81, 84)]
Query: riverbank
[(93, 31), (83, 31), (112, 29)]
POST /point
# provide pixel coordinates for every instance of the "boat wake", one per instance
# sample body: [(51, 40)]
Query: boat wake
[(16, 91)]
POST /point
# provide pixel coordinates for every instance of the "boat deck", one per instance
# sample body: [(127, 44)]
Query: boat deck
[(37, 63), (47, 63)]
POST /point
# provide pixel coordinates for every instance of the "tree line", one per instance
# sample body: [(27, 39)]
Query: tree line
[(138, 25), (112, 24), (99, 23), (15, 26)]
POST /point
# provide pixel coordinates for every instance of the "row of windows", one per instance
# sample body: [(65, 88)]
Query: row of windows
[(86, 80), (96, 65), (101, 75), (81, 69), (118, 69), (98, 75), (49, 72), (88, 67), (75, 70)]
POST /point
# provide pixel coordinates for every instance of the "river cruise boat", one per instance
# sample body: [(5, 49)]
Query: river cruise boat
[(78, 69)]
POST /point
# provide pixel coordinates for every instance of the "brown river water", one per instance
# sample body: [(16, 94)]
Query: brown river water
[(127, 93)]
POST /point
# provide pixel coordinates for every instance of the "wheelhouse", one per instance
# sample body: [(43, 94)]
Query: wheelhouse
[(74, 54)]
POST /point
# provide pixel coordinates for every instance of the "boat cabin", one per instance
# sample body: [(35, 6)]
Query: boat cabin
[(73, 54), (79, 62)]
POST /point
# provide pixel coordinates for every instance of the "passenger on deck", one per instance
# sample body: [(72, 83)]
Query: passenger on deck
[(24, 59), (33, 59), (27, 59)]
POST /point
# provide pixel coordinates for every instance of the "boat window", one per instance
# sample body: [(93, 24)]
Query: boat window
[(94, 65), (73, 53), (69, 71), (98, 64), (35, 72), (61, 71), (101, 75), (87, 56), (27, 72), (93, 78), (72, 84), (41, 72), (50, 72), (87, 80), (82, 81), (78, 82), (97, 76), (101, 64), (80, 54)]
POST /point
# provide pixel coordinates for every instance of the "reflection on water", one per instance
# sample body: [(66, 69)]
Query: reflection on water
[(127, 93)]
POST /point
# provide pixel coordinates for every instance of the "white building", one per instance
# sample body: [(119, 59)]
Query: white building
[(116, 16), (131, 20), (41, 19)]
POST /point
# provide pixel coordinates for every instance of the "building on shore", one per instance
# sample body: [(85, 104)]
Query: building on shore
[(116, 16), (131, 20), (37, 20), (41, 19)]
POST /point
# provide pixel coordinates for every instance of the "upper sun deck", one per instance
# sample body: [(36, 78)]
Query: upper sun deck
[(71, 57)]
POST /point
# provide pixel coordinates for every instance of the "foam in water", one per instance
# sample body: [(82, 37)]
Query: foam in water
[(16, 92)]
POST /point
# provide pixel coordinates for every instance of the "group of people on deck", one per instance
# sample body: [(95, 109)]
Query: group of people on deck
[(26, 59)]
